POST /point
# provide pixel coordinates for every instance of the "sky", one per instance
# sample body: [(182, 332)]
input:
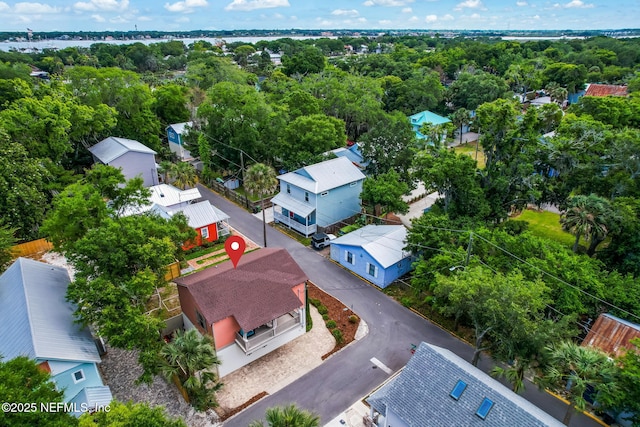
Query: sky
[(170, 15)]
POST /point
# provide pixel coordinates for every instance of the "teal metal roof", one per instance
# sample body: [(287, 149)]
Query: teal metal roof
[(423, 117)]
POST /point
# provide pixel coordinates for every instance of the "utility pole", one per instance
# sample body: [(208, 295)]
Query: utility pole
[(469, 247)]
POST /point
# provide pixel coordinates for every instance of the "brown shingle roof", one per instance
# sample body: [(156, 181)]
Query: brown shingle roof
[(256, 292), (606, 90)]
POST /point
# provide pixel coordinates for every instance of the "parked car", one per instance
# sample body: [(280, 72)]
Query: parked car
[(321, 240)]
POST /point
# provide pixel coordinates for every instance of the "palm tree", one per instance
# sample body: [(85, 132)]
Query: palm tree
[(184, 175), (459, 118), (572, 368), (261, 179), (288, 416), (190, 356), (165, 169), (585, 216)]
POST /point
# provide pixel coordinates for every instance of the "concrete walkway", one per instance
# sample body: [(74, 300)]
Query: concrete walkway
[(416, 209)]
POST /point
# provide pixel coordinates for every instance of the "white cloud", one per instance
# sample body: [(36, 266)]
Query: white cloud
[(119, 20), (407, 10), (93, 5), (3, 6), (578, 4), (522, 3), (536, 17), (345, 12), (414, 19), (430, 19), (475, 16), (98, 18), (34, 8), (362, 19), (148, 18), (470, 4), (183, 19), (447, 17), (186, 6), (384, 22), (248, 5), (392, 3)]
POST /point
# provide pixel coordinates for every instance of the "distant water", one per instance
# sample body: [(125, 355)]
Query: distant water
[(61, 44)]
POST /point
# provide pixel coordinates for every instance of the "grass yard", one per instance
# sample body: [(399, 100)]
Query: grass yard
[(470, 150), (306, 241), (546, 224), (204, 251)]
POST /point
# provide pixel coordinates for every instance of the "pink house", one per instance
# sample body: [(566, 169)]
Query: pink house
[(250, 310)]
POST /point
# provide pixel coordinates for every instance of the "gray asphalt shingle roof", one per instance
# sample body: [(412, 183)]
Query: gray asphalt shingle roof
[(35, 318), (419, 395), (324, 176), (111, 148)]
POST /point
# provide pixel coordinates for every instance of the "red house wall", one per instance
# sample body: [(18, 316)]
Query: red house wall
[(197, 241)]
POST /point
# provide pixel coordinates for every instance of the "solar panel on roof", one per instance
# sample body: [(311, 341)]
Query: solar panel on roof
[(458, 389), (484, 408)]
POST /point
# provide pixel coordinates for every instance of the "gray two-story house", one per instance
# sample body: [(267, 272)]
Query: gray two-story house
[(318, 195)]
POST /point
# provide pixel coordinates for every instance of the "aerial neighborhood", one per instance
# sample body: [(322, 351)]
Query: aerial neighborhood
[(384, 230)]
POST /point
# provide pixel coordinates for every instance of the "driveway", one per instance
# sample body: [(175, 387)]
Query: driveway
[(353, 372)]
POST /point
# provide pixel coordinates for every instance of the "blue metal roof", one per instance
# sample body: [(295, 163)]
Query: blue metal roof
[(423, 117)]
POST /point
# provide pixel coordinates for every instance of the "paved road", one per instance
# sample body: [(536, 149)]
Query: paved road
[(348, 375)]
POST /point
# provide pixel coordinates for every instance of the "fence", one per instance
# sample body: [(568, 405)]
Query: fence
[(30, 248), (236, 197), (173, 271)]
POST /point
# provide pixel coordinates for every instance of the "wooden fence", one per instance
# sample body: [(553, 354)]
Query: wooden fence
[(236, 197), (32, 247), (173, 271)]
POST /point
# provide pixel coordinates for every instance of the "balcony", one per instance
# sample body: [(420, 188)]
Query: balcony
[(267, 332), (307, 230)]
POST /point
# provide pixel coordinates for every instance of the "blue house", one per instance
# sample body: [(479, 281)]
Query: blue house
[(419, 119), (176, 145), (37, 321), (375, 252), (318, 195), (352, 153), (438, 388)]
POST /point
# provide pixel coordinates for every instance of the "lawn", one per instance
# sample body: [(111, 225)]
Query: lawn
[(204, 251), (546, 224), (470, 150), (306, 241)]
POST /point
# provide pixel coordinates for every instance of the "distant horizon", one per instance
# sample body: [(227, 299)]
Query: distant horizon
[(328, 15)]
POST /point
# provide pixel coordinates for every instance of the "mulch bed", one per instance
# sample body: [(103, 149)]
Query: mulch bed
[(225, 415), (338, 312)]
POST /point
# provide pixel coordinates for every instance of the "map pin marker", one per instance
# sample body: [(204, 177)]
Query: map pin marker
[(235, 246)]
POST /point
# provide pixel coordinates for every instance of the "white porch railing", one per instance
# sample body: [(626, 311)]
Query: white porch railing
[(265, 333), (307, 230)]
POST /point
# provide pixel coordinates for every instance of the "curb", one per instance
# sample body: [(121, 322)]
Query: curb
[(586, 413)]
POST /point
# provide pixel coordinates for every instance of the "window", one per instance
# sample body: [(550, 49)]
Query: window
[(200, 320), (78, 376), (372, 270), (353, 184), (324, 193), (484, 408), (458, 389), (306, 196), (288, 188), (350, 258), (204, 232), (291, 214)]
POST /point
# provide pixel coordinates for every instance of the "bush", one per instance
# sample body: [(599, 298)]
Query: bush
[(515, 227), (406, 301), (353, 319), (322, 309), (314, 302), (337, 334), (331, 324), (325, 317)]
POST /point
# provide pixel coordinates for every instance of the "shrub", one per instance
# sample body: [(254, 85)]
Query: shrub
[(314, 302), (322, 309), (406, 301), (337, 334), (325, 317), (353, 319), (331, 324)]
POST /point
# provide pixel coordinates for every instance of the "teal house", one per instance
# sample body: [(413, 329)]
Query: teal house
[(175, 133), (37, 321), (419, 119)]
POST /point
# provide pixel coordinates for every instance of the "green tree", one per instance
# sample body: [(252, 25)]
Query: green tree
[(586, 216), (628, 380), (389, 144), (261, 180), (498, 307), (471, 90), (301, 103), (184, 174), (310, 60), (308, 136), (288, 416), (385, 190), (22, 381), (571, 76), (460, 118), (171, 104), (191, 357), (7, 241), (572, 368), (23, 185), (130, 414)]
